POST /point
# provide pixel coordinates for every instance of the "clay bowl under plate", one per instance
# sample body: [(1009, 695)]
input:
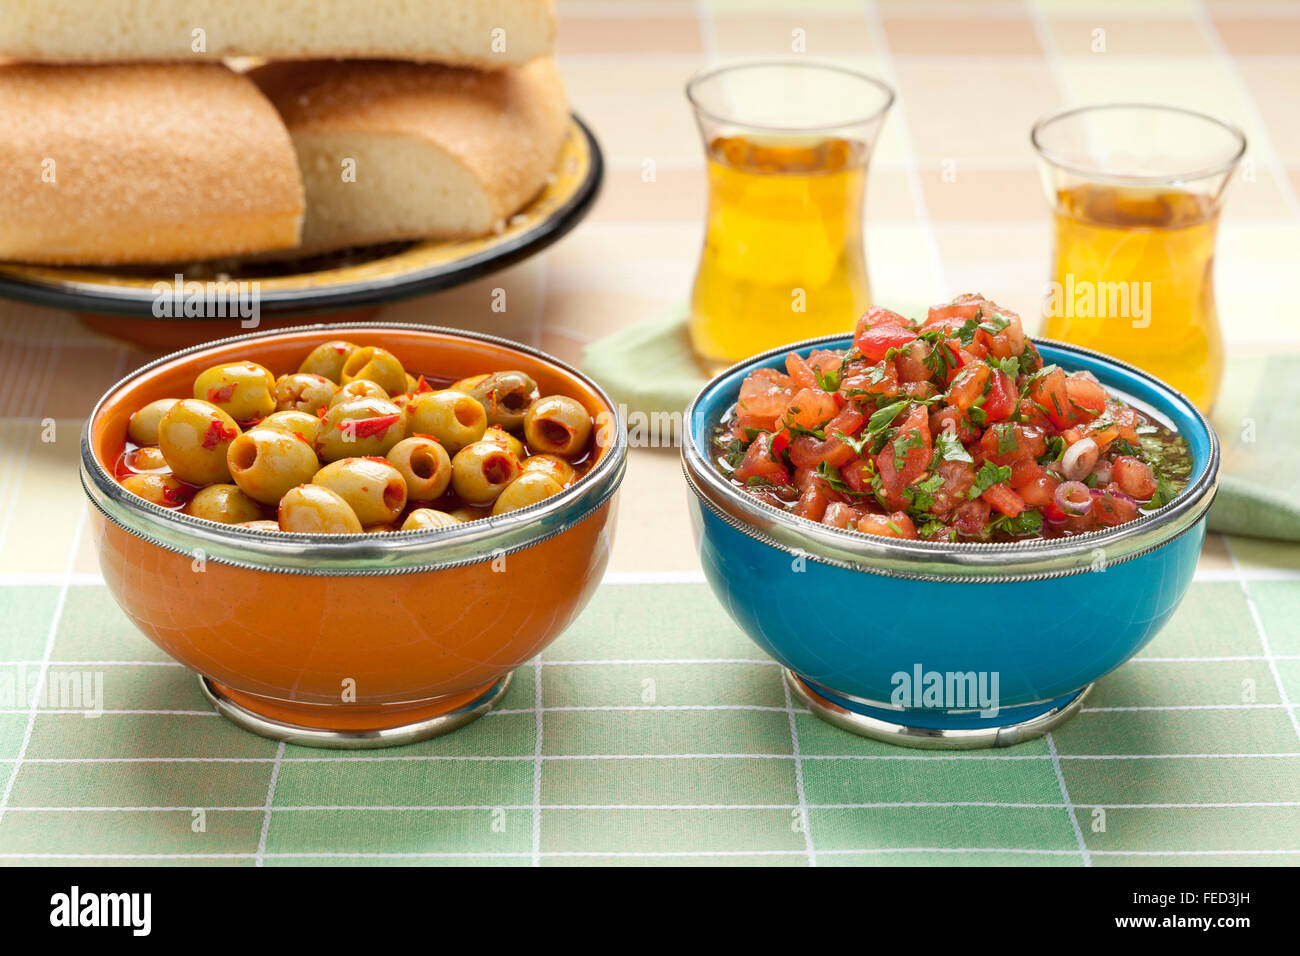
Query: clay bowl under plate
[(353, 640)]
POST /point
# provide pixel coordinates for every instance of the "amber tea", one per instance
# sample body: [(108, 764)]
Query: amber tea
[(783, 255), (1134, 277)]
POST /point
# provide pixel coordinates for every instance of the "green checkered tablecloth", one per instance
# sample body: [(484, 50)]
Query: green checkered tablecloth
[(654, 732)]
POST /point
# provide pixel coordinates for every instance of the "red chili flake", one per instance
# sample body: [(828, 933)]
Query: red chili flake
[(432, 438), (299, 436), (377, 459), (422, 386), (370, 427), (341, 349), (217, 433), (218, 395), (322, 412), (175, 496)]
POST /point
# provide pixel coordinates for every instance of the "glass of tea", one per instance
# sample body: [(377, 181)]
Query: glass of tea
[(787, 144), (1136, 191)]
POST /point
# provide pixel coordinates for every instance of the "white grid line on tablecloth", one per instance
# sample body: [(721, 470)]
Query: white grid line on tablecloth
[(433, 758), (51, 637), (637, 708), (1265, 646), (800, 793), (269, 803), (1068, 806), (801, 806), (537, 761)]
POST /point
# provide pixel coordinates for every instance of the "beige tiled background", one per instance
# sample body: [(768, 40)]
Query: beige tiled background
[(972, 77)]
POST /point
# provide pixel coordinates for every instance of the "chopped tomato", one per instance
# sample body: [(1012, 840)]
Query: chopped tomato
[(809, 410), (1039, 492), (813, 500), (879, 339), (878, 379), (896, 525), (807, 452), (1022, 442), (1023, 472), (1134, 477), (1004, 499), (763, 397), (1087, 398), (840, 515), (971, 517), (760, 463), (857, 475), (968, 386), (904, 457), (879, 316), (1001, 399), (1049, 393), (1112, 507), (801, 372)]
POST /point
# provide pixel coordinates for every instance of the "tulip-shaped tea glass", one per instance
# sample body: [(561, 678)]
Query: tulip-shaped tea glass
[(1136, 191), (787, 145)]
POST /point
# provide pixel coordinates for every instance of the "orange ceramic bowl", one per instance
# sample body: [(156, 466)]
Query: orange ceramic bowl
[(353, 640)]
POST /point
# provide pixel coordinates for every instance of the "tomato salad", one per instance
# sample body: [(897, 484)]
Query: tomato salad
[(951, 429)]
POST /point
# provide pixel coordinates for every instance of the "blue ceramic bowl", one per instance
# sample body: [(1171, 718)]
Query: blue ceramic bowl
[(940, 644)]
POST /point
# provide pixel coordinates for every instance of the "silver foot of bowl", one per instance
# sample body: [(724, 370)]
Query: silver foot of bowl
[(932, 738), (302, 736)]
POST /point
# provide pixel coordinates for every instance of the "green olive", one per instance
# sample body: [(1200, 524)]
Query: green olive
[(424, 465), (552, 465), (327, 360), (243, 390), (361, 427), (373, 488), (426, 519), (148, 458), (261, 525), (224, 504), (505, 396), (143, 426), (481, 471), (266, 463), (313, 509), (528, 489), (468, 513), (194, 436), (293, 423), (376, 365), (360, 388), (162, 490), (495, 433), (412, 383), (557, 425), (452, 417), (303, 392)]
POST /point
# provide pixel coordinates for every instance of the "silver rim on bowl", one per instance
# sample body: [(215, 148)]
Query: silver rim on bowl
[(983, 562), (397, 552)]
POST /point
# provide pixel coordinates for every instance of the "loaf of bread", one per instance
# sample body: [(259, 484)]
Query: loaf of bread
[(488, 34), (142, 163), (393, 150)]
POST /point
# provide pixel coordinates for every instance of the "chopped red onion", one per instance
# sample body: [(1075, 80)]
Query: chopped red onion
[(1079, 458), (1074, 497)]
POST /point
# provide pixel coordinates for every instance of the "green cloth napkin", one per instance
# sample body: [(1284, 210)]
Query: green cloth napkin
[(649, 368)]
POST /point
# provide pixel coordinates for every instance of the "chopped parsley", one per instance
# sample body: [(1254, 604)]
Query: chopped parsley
[(1007, 443), (988, 476), (950, 448)]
